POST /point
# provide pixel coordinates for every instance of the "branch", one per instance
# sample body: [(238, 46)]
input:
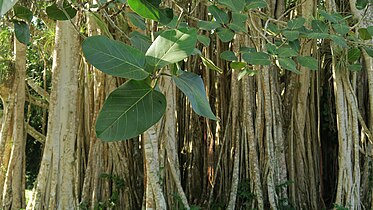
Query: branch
[(35, 134), (38, 102), (38, 89)]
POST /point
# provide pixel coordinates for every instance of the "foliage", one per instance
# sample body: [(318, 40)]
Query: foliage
[(137, 105)]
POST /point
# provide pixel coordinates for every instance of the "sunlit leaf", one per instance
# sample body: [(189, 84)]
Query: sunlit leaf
[(237, 65), (151, 10), (114, 57), (192, 86), (129, 111), (171, 46)]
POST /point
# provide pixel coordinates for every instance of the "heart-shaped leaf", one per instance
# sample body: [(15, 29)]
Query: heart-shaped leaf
[(171, 46), (192, 86), (114, 57), (129, 111)]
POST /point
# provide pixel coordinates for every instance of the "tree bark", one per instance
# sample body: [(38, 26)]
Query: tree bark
[(55, 187)]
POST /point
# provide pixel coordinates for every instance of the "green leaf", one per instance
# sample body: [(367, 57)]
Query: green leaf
[(271, 48), (295, 45), (6, 5), (234, 5), (136, 20), (228, 56), (219, 15), (210, 65), (150, 9), (296, 23), (354, 67), (370, 30), (140, 41), (361, 4), (23, 13), (339, 40), (247, 49), (342, 29), (171, 46), (369, 51), (257, 58), (308, 62), (237, 65), (246, 71), (22, 32), (208, 25), (129, 111), (56, 13), (100, 23), (114, 57), (192, 86), (256, 4), (225, 34), (353, 54), (334, 18), (364, 34), (319, 26), (205, 40), (286, 51), (316, 35), (291, 35), (273, 28), (289, 64), (238, 23)]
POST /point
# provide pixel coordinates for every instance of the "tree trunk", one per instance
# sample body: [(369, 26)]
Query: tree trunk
[(55, 187), (13, 192)]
